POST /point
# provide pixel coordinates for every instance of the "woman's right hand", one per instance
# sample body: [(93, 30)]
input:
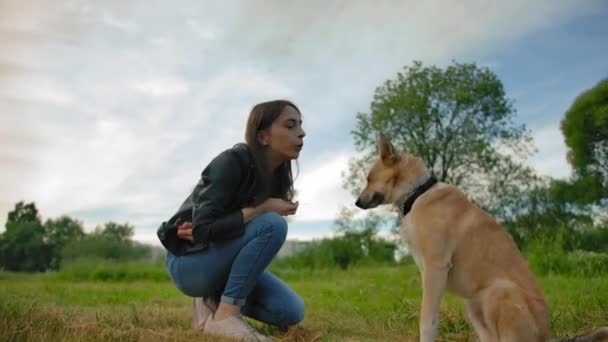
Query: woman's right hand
[(184, 231), (278, 205)]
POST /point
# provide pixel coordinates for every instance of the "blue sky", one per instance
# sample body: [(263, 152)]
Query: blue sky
[(109, 111)]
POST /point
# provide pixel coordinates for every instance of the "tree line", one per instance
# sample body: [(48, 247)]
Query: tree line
[(30, 245)]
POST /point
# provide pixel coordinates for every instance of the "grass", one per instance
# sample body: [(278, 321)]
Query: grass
[(372, 303)]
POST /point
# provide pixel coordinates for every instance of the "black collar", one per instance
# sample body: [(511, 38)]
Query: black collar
[(406, 205)]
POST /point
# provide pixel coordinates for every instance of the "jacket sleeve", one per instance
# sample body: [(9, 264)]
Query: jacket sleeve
[(212, 196)]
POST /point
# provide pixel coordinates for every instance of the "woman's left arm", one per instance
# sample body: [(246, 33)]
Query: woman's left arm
[(212, 195)]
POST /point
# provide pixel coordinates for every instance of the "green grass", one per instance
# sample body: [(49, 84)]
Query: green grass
[(371, 303), (103, 270)]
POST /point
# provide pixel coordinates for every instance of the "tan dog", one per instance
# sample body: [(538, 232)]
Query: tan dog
[(460, 248)]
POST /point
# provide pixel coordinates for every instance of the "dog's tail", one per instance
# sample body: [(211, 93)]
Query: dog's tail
[(598, 335)]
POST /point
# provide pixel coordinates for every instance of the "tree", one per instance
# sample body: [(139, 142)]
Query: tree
[(112, 241), (22, 245), (94, 246), (23, 248), (459, 122), (356, 239), (545, 209), (574, 206), (23, 212), (59, 232), (585, 129), (115, 231)]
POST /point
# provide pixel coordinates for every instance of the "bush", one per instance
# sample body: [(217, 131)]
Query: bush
[(594, 239), (549, 255), (103, 248), (340, 252), (104, 270)]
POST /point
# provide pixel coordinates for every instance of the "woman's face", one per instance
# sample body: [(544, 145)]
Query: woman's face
[(284, 137)]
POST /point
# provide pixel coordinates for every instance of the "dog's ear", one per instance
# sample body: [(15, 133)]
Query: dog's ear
[(388, 152)]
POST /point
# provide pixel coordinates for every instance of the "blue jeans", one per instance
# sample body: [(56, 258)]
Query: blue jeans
[(234, 272)]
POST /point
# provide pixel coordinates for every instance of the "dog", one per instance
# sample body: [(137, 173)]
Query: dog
[(460, 248)]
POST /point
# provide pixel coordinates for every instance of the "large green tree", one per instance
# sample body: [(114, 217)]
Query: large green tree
[(24, 212), (585, 129), (460, 122), (22, 245), (58, 233)]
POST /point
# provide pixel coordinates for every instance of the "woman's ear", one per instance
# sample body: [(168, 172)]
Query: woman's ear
[(263, 138)]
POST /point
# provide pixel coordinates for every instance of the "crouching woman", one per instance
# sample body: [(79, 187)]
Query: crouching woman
[(237, 226)]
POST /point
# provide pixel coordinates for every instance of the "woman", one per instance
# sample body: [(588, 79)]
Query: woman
[(238, 226)]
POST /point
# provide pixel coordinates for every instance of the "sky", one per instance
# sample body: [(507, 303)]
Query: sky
[(109, 111)]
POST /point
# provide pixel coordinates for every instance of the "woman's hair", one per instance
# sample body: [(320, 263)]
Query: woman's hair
[(269, 184)]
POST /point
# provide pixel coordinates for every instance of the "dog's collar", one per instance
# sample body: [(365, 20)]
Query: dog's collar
[(408, 201)]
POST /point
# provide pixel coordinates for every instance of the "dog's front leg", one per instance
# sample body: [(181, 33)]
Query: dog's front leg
[(433, 284)]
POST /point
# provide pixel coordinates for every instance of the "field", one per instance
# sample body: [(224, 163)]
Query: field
[(366, 303)]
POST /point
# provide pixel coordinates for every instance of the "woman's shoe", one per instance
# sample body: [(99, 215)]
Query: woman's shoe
[(234, 327), (203, 311)]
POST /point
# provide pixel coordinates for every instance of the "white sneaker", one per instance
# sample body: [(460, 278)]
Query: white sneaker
[(203, 311), (234, 327)]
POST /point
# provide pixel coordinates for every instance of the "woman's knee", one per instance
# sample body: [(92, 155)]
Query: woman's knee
[(294, 313), (275, 224)]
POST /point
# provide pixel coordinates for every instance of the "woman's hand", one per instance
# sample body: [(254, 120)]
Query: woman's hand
[(279, 206), (184, 231)]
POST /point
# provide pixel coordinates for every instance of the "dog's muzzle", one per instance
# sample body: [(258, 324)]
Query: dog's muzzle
[(376, 200)]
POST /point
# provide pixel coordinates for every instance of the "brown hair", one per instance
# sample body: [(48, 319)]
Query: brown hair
[(269, 184)]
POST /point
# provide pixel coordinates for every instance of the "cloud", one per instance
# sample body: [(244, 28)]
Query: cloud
[(320, 193), (110, 110), (551, 157), (161, 87), (353, 31)]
